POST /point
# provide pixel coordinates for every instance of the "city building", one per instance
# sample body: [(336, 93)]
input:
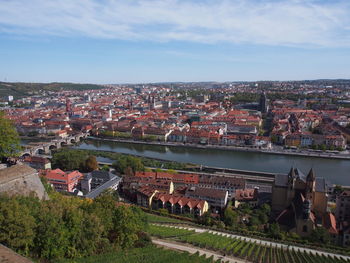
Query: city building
[(246, 196), (62, 181), (217, 199), (342, 212)]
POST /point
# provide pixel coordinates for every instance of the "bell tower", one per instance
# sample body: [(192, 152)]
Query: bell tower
[(310, 185)]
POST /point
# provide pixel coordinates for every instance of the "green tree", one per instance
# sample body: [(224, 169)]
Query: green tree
[(275, 231), (254, 221), (52, 235), (230, 217), (47, 186), (9, 140), (105, 168), (123, 162), (16, 225), (103, 207), (126, 227), (205, 219), (323, 147), (91, 164), (69, 160), (320, 235)]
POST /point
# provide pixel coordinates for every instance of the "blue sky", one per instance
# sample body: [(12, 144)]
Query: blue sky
[(105, 41)]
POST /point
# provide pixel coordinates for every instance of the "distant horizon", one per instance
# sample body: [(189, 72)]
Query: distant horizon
[(170, 82)]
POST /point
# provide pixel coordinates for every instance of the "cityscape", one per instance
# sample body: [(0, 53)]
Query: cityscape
[(156, 132)]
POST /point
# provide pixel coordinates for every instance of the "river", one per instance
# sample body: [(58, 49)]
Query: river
[(335, 171)]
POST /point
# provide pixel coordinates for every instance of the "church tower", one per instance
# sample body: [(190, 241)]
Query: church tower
[(290, 193), (68, 108), (310, 185)]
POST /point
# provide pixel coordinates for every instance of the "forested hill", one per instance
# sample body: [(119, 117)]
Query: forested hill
[(23, 89)]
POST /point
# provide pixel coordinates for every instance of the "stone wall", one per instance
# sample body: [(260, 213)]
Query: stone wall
[(21, 180)]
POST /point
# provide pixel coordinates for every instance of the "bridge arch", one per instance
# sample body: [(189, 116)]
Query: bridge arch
[(52, 147), (39, 151), (64, 143)]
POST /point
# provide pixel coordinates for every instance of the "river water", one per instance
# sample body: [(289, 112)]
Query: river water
[(335, 171)]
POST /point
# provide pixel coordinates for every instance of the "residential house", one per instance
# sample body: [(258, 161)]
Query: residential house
[(62, 181), (217, 199), (246, 196)]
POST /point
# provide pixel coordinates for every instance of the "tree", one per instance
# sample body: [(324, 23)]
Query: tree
[(51, 239), (254, 221), (16, 225), (91, 164), (205, 219), (69, 160), (103, 207), (323, 147), (105, 168), (125, 227), (275, 231), (320, 235), (123, 162), (9, 139), (230, 217)]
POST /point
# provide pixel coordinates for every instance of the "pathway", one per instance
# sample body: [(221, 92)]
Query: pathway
[(192, 250)]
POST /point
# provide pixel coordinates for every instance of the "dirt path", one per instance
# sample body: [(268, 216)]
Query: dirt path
[(192, 250)]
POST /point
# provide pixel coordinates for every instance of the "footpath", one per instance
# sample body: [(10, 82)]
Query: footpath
[(191, 249), (262, 242)]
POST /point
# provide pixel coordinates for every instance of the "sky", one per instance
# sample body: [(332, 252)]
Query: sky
[(142, 41)]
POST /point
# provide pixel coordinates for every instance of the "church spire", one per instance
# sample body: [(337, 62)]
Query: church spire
[(291, 172), (311, 176)]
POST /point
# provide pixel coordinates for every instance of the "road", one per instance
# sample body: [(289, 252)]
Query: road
[(263, 242), (192, 250)]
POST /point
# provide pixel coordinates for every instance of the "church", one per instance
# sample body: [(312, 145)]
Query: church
[(300, 201)]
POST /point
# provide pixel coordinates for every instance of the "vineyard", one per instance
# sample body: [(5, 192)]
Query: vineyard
[(161, 219), (150, 254), (165, 232), (239, 248)]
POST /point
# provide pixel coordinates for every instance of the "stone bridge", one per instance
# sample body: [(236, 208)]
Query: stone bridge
[(46, 147)]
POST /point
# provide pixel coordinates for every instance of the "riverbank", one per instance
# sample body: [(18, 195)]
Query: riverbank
[(335, 170), (231, 148)]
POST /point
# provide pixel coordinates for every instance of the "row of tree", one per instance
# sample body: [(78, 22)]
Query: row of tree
[(69, 227), (74, 160)]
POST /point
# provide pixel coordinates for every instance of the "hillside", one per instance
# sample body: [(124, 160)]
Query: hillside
[(22, 89)]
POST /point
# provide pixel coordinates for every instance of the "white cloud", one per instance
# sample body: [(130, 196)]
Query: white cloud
[(270, 22)]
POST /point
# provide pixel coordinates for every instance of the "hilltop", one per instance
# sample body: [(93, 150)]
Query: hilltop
[(23, 89)]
